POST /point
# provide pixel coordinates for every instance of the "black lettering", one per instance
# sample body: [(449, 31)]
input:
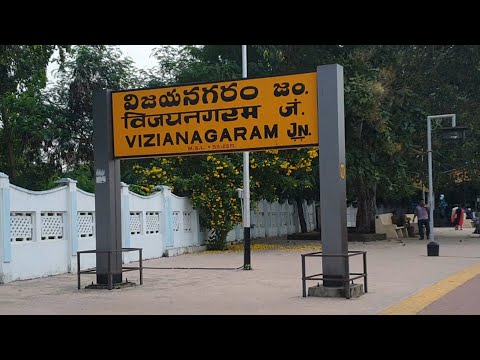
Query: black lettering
[(298, 88), (158, 139), (210, 135), (291, 108), (208, 116), (293, 131), (255, 133), (170, 99), (184, 138), (239, 132), (190, 101), (167, 138), (225, 135), (271, 133), (130, 105), (246, 96), (171, 122), (231, 116), (303, 130), (207, 91), (148, 102), (163, 100), (136, 120), (150, 138), (196, 137), (130, 142), (281, 89), (155, 121), (228, 89), (191, 115), (250, 111)]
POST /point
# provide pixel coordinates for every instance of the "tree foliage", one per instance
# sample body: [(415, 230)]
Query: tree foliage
[(209, 181), (25, 129), (87, 69), (389, 91)]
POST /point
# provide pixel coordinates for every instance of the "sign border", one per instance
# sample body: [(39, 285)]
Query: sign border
[(211, 151)]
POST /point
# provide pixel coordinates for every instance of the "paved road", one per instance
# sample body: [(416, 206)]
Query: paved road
[(402, 279)]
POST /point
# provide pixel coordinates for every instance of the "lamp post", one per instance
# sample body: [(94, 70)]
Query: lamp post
[(450, 133), (246, 187)]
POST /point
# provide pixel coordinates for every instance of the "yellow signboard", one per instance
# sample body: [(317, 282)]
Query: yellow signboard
[(231, 116)]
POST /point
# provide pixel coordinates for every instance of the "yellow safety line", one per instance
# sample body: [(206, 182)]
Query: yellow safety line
[(425, 297)]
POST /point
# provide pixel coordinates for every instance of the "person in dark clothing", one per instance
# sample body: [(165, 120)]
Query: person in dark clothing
[(421, 211), (468, 214), (398, 218), (476, 222)]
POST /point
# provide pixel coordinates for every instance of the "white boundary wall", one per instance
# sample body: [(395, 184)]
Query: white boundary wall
[(41, 231)]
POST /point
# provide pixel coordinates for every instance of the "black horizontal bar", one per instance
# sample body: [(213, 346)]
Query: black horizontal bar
[(357, 277), (330, 255), (311, 277), (108, 251)]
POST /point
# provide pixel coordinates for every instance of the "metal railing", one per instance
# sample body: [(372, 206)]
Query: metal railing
[(109, 272), (345, 280)]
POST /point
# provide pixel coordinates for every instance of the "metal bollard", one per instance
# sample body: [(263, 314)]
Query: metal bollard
[(433, 248)]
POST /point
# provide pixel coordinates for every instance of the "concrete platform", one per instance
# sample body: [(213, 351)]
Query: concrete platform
[(397, 271)]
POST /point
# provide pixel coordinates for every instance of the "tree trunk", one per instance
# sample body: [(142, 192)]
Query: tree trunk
[(301, 216), (366, 196)]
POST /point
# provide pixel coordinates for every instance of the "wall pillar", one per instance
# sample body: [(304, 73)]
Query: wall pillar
[(125, 215), (71, 221), (167, 216), (5, 244)]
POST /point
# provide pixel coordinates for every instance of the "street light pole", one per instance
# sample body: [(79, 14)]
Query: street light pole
[(246, 186), (430, 176), (432, 246)]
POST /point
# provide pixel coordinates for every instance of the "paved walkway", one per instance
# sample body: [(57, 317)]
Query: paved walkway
[(402, 279)]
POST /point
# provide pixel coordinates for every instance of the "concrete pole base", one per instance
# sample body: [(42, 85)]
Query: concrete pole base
[(105, 286), (322, 291)]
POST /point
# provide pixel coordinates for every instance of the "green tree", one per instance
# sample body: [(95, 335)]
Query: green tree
[(433, 80), (280, 175), (389, 91), (376, 135), (25, 129), (88, 68), (213, 63)]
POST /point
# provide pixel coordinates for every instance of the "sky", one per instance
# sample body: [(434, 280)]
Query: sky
[(140, 54)]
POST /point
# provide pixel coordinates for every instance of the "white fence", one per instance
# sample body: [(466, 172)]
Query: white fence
[(41, 231)]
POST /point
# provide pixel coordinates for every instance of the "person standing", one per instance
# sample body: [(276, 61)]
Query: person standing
[(476, 222), (421, 211), (458, 217)]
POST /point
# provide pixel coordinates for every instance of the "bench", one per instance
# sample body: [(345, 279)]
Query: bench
[(384, 225), (468, 223)]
